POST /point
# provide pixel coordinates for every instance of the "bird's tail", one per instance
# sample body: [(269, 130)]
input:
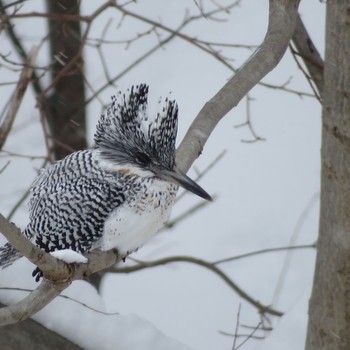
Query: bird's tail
[(8, 255)]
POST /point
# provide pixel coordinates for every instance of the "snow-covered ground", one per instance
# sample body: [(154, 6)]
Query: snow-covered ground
[(267, 194)]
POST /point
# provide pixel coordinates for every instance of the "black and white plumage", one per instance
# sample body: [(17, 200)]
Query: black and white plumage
[(116, 195)]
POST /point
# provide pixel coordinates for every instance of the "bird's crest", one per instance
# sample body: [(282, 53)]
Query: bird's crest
[(126, 131)]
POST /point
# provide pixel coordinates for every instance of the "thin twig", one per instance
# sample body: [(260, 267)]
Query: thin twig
[(264, 251), (210, 266), (204, 172), (17, 97), (249, 336), (4, 167), (248, 123), (65, 297), (301, 220), (20, 155), (310, 55), (237, 326), (186, 214), (308, 78)]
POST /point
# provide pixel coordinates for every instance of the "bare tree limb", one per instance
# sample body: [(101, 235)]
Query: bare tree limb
[(282, 19), (189, 259), (17, 96), (46, 262), (308, 52), (264, 251), (17, 43), (32, 303), (57, 274)]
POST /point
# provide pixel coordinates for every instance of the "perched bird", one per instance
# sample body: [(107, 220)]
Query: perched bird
[(116, 195)]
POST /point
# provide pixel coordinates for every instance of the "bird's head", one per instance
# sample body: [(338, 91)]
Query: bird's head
[(128, 138)]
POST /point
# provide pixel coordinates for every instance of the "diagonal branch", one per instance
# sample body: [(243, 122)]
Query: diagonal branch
[(189, 259), (308, 52), (57, 274), (17, 97), (46, 262), (32, 303), (282, 19)]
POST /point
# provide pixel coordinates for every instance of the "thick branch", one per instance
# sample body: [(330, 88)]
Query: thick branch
[(32, 303), (46, 262), (58, 275), (282, 19)]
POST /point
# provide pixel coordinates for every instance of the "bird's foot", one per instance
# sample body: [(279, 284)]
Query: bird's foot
[(37, 274)]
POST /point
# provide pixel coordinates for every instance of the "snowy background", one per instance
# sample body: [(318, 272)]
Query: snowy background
[(267, 192)]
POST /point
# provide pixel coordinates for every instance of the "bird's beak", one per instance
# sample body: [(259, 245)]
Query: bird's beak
[(178, 178)]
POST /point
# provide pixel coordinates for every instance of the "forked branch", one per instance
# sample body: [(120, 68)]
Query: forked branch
[(282, 20)]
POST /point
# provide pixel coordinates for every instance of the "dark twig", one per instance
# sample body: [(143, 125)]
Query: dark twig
[(249, 124), (18, 45), (264, 251), (307, 76), (67, 298), (17, 96), (210, 266), (309, 53)]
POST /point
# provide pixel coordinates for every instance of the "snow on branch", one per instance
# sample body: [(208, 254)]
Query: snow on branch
[(57, 274)]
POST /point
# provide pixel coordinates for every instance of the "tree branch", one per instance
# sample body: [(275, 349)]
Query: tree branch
[(17, 44), (189, 259), (32, 303), (282, 19), (57, 274), (46, 262), (17, 96), (308, 52)]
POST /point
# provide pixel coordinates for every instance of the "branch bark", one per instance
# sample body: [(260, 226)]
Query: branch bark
[(282, 19), (65, 117), (17, 96), (31, 335), (329, 307), (57, 274), (211, 266), (308, 52)]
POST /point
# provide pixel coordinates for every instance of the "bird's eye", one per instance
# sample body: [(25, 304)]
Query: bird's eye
[(142, 158)]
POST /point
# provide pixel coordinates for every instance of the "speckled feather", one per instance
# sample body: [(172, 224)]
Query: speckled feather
[(105, 197)]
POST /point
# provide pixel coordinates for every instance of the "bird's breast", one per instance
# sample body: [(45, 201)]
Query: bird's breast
[(139, 218)]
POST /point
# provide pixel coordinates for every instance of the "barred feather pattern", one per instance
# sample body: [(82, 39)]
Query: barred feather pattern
[(126, 129), (102, 197), (69, 205)]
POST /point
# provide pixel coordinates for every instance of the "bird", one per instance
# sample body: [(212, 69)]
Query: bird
[(115, 195)]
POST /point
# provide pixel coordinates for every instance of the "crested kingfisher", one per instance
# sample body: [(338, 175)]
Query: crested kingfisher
[(116, 195)]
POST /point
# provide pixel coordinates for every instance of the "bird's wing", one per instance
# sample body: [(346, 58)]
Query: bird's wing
[(69, 205)]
